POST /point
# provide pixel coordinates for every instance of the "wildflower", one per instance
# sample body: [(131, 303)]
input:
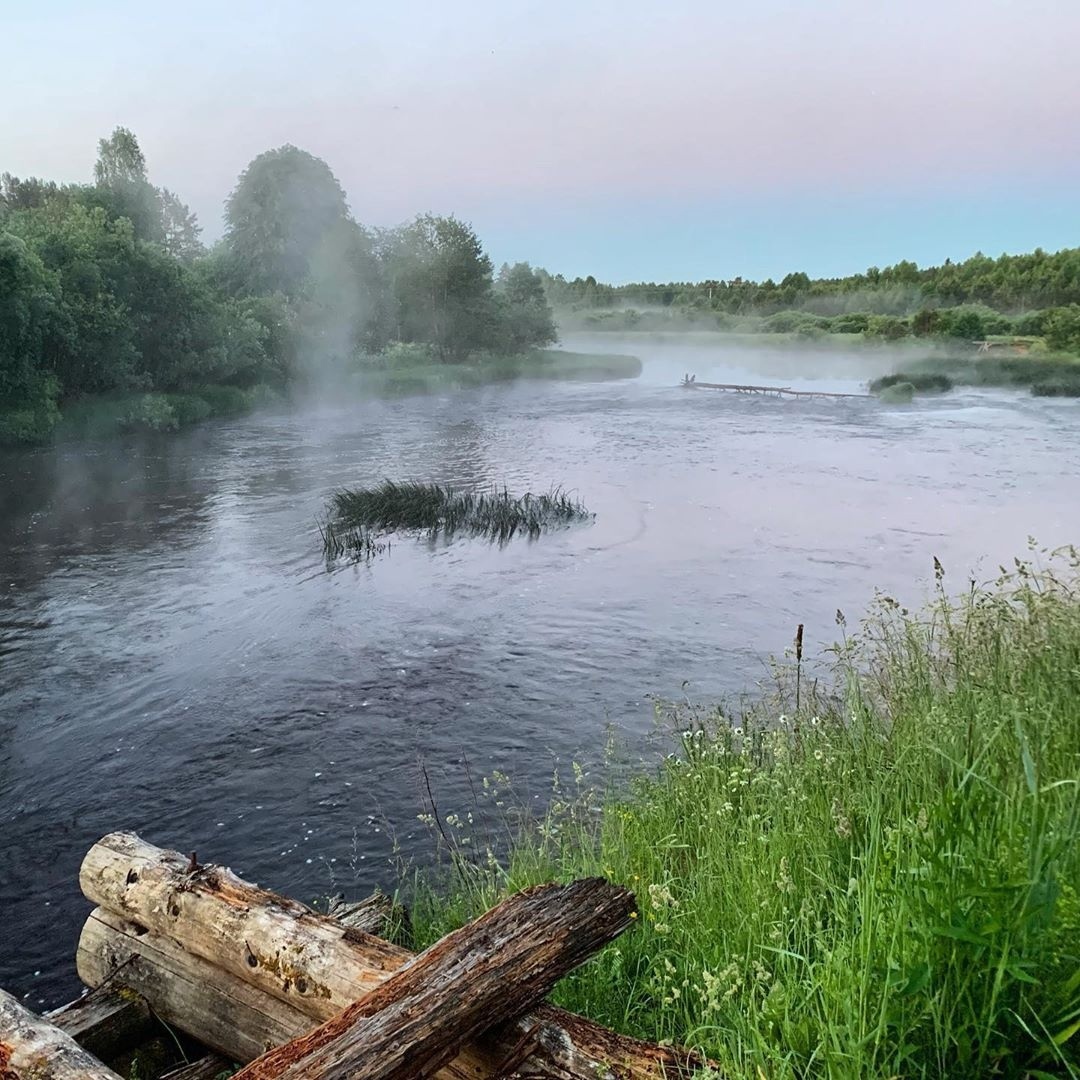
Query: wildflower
[(842, 823), (784, 882), (818, 755)]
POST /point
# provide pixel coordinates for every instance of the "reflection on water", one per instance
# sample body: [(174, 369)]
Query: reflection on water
[(173, 660)]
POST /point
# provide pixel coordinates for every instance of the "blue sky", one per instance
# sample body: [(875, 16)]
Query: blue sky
[(629, 140)]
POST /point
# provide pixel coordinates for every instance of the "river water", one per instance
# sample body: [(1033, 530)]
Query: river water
[(174, 659)]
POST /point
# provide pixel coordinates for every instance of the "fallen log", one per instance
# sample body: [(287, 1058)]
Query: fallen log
[(31, 1048), (216, 925), (222, 1012), (492, 970)]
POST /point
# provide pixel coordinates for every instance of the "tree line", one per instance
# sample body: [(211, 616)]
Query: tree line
[(1034, 294), (106, 287)]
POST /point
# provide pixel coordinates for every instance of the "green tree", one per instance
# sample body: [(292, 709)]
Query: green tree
[(286, 208), (526, 316), (33, 329), (441, 283), (181, 228), (122, 188)]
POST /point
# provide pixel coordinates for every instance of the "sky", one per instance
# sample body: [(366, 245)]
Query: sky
[(632, 141)]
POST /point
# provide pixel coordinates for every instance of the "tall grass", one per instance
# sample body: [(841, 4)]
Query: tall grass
[(883, 883), (434, 509)]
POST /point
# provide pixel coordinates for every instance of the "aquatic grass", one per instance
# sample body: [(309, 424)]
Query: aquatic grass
[(883, 883), (435, 509), (353, 542)]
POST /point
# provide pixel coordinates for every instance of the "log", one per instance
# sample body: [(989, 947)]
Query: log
[(492, 970), (222, 1012), (31, 1048), (306, 961), (106, 1021)]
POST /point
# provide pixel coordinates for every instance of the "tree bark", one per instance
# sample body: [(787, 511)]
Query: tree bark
[(33, 1049), (491, 970), (232, 933)]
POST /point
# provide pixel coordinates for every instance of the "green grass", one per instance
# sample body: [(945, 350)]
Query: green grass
[(881, 883), (109, 415), (410, 370), (353, 514)]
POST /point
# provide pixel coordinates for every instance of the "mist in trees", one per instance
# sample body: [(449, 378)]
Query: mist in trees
[(106, 287)]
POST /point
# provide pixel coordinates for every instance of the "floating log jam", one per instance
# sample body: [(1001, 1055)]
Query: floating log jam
[(690, 383), (243, 970)]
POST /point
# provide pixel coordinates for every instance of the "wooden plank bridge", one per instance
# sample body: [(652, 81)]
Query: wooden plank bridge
[(690, 383)]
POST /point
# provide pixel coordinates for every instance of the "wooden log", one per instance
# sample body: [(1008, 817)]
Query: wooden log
[(492, 970), (222, 1012), (233, 932), (31, 1048), (377, 915), (106, 1021)]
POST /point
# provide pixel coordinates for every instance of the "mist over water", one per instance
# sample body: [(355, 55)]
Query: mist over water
[(175, 660)]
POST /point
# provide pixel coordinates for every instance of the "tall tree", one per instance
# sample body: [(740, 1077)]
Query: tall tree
[(286, 209), (527, 319), (441, 281)]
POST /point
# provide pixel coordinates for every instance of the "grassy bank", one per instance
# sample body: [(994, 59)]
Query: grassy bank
[(108, 415), (408, 370), (881, 883), (1045, 375)]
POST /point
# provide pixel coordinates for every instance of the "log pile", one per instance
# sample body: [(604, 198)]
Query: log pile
[(260, 981)]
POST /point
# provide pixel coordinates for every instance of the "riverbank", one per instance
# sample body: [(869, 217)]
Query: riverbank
[(879, 881), (404, 373), (417, 373)]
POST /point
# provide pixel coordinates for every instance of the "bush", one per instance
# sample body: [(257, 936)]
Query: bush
[(189, 408), (900, 393), (1066, 384), (923, 382), (150, 412)]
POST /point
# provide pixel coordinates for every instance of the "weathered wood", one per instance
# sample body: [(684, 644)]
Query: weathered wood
[(32, 1048), (491, 970), (206, 1068), (377, 914), (105, 1021), (778, 391), (304, 960), (222, 1012)]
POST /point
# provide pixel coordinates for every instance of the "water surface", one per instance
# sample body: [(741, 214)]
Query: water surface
[(174, 659)]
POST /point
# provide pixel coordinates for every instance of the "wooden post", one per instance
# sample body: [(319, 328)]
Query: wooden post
[(33, 1049), (492, 970), (244, 946)]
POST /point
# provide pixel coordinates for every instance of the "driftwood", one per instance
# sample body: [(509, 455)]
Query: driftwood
[(227, 937), (491, 970), (32, 1048), (206, 1068)]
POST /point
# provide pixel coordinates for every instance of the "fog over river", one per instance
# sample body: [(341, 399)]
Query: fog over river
[(174, 658)]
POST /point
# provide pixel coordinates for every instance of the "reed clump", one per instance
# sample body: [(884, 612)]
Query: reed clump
[(884, 882), (436, 509), (920, 382)]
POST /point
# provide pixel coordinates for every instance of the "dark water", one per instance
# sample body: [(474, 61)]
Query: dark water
[(174, 660)]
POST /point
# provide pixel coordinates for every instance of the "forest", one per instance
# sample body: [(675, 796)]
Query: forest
[(107, 289), (1034, 295)]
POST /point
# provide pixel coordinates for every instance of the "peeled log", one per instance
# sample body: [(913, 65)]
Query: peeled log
[(492, 970), (232, 930), (224, 1013), (33, 1049)]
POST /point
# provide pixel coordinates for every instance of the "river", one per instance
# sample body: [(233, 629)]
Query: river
[(174, 659)]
